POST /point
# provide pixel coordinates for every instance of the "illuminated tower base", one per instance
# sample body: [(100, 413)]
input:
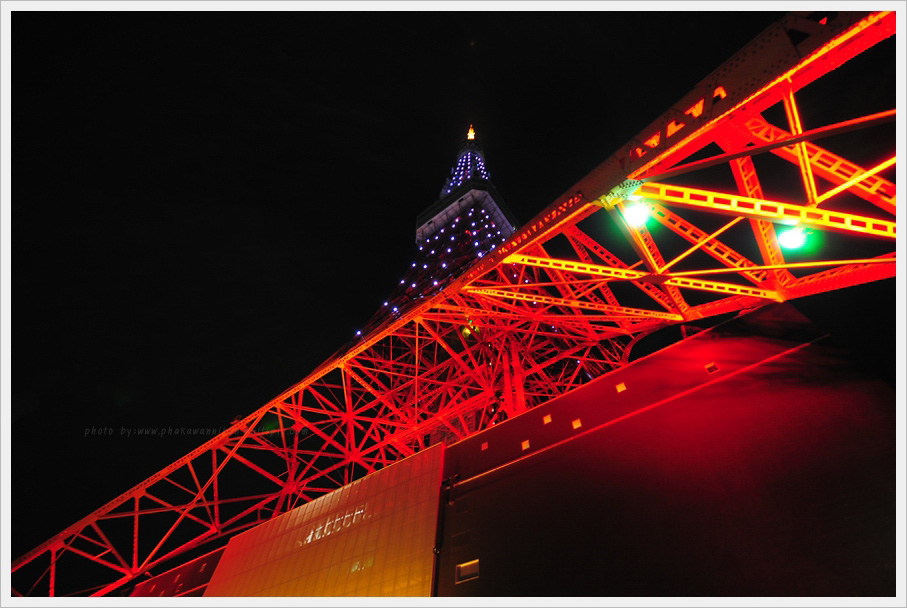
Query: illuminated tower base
[(758, 468)]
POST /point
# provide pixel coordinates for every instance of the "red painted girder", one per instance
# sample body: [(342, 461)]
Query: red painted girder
[(550, 301), (612, 260), (766, 145), (838, 278), (138, 490), (833, 49), (827, 165), (718, 307), (642, 241), (565, 285), (169, 509), (584, 256), (717, 249), (763, 231), (666, 279), (806, 174), (732, 204)]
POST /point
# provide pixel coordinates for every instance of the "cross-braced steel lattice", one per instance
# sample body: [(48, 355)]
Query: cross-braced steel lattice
[(559, 303)]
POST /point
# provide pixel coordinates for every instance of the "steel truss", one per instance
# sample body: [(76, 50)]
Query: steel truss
[(555, 306)]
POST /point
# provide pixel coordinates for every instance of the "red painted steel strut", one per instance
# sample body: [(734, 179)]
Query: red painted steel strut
[(522, 325)]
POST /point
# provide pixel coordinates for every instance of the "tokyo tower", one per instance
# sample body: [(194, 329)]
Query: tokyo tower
[(727, 206)]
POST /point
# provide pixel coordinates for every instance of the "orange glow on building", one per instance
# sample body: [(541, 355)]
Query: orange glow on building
[(372, 537)]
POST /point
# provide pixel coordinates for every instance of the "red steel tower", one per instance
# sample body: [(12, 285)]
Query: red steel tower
[(718, 206)]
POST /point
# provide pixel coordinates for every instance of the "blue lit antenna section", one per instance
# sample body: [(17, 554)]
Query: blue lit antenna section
[(470, 165), (468, 221)]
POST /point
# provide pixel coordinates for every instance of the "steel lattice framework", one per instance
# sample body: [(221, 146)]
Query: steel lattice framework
[(555, 306)]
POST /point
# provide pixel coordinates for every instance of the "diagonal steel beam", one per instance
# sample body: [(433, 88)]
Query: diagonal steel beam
[(550, 301), (665, 279), (827, 165), (694, 198)]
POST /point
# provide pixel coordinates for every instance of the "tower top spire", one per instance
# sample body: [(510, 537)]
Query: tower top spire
[(469, 185), (470, 165)]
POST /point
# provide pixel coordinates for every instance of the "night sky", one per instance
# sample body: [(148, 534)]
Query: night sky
[(208, 205)]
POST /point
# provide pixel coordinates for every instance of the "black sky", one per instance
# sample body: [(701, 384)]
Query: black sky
[(207, 205)]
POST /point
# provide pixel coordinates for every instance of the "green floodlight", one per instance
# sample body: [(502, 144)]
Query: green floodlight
[(792, 238), (636, 214)]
